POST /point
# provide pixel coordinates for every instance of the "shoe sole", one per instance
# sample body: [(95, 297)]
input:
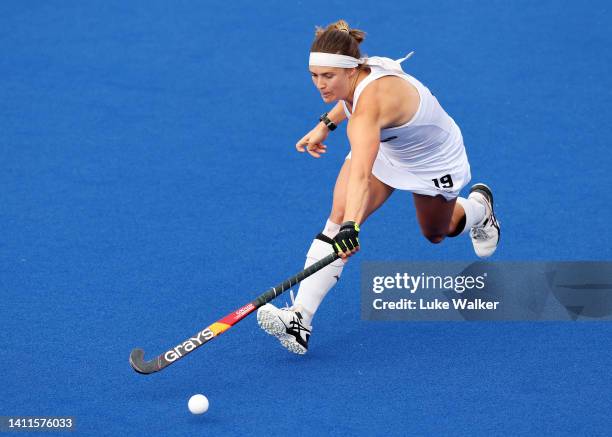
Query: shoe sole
[(483, 189), (270, 323)]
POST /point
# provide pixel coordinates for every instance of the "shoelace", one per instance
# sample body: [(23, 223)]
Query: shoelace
[(299, 325), (287, 307)]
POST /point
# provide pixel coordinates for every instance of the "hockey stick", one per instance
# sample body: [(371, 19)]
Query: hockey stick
[(176, 353)]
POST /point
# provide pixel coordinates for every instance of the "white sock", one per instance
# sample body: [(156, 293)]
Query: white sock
[(474, 213), (313, 289), (331, 229)]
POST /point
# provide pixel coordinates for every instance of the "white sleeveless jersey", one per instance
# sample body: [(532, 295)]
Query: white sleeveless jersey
[(430, 142)]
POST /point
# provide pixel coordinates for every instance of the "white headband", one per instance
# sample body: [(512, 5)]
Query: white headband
[(318, 59)]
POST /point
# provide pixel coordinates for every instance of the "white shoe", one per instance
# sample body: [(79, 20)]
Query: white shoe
[(485, 236), (287, 325)]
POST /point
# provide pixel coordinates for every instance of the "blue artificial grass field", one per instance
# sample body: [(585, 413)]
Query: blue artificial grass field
[(150, 186)]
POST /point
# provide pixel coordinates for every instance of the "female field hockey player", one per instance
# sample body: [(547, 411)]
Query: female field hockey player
[(400, 138)]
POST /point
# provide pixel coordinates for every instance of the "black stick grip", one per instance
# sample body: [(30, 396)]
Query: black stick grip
[(287, 284)]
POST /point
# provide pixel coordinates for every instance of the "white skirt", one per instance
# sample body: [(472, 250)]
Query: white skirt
[(447, 183)]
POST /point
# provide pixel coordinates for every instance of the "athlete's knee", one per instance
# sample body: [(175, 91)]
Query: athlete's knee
[(434, 237)]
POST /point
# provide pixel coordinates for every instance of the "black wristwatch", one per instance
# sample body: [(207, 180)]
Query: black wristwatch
[(327, 122)]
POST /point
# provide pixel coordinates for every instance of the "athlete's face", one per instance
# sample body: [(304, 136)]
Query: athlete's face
[(333, 83)]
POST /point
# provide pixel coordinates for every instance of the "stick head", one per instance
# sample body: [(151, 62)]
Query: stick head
[(139, 364)]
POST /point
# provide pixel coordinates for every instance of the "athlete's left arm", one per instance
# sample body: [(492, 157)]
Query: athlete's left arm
[(364, 135)]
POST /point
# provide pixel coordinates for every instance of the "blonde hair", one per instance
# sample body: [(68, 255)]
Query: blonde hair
[(338, 38)]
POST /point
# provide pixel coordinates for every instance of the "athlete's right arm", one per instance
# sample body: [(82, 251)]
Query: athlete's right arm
[(312, 142)]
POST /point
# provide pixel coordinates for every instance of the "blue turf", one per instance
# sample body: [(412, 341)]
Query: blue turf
[(150, 186)]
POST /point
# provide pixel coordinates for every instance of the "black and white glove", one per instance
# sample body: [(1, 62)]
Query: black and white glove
[(347, 238)]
